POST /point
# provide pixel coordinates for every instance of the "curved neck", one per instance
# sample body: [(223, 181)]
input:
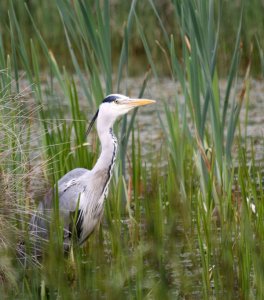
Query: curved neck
[(107, 157)]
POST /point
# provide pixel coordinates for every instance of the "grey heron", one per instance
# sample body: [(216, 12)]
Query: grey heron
[(84, 191)]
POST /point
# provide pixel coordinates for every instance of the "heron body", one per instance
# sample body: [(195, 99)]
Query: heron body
[(85, 190)]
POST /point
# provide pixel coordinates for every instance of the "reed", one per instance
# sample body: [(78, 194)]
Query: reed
[(188, 228)]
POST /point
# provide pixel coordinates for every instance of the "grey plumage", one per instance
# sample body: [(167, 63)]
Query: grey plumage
[(83, 191), (75, 185), (68, 187)]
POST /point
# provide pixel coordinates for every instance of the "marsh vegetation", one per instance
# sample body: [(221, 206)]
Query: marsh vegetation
[(184, 216)]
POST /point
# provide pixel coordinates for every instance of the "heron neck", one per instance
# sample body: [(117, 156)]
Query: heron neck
[(107, 157)]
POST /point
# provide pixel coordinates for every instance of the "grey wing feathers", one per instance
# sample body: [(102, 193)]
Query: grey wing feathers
[(69, 189), (73, 174)]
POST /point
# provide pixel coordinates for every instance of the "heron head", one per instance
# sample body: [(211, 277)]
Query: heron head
[(116, 105)]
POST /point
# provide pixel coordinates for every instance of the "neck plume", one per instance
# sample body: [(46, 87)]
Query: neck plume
[(108, 150), (105, 163)]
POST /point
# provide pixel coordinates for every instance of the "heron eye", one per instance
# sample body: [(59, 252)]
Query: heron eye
[(116, 101)]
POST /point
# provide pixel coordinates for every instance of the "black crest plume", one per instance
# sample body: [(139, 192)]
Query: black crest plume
[(91, 123)]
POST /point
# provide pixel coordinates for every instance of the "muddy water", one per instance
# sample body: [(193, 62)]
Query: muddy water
[(152, 138), (165, 91)]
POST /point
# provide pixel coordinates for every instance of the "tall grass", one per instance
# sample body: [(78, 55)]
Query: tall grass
[(48, 21), (188, 228)]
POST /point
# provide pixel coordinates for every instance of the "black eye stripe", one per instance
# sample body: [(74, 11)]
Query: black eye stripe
[(109, 99)]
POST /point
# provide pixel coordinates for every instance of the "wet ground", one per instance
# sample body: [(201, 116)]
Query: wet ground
[(166, 91), (152, 138)]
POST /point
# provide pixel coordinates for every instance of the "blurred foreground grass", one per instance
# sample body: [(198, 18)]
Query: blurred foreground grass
[(188, 228)]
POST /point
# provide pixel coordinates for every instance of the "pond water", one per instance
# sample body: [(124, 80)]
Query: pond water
[(182, 259), (164, 91)]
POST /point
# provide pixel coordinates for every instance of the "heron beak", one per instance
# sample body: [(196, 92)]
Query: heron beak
[(139, 102)]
